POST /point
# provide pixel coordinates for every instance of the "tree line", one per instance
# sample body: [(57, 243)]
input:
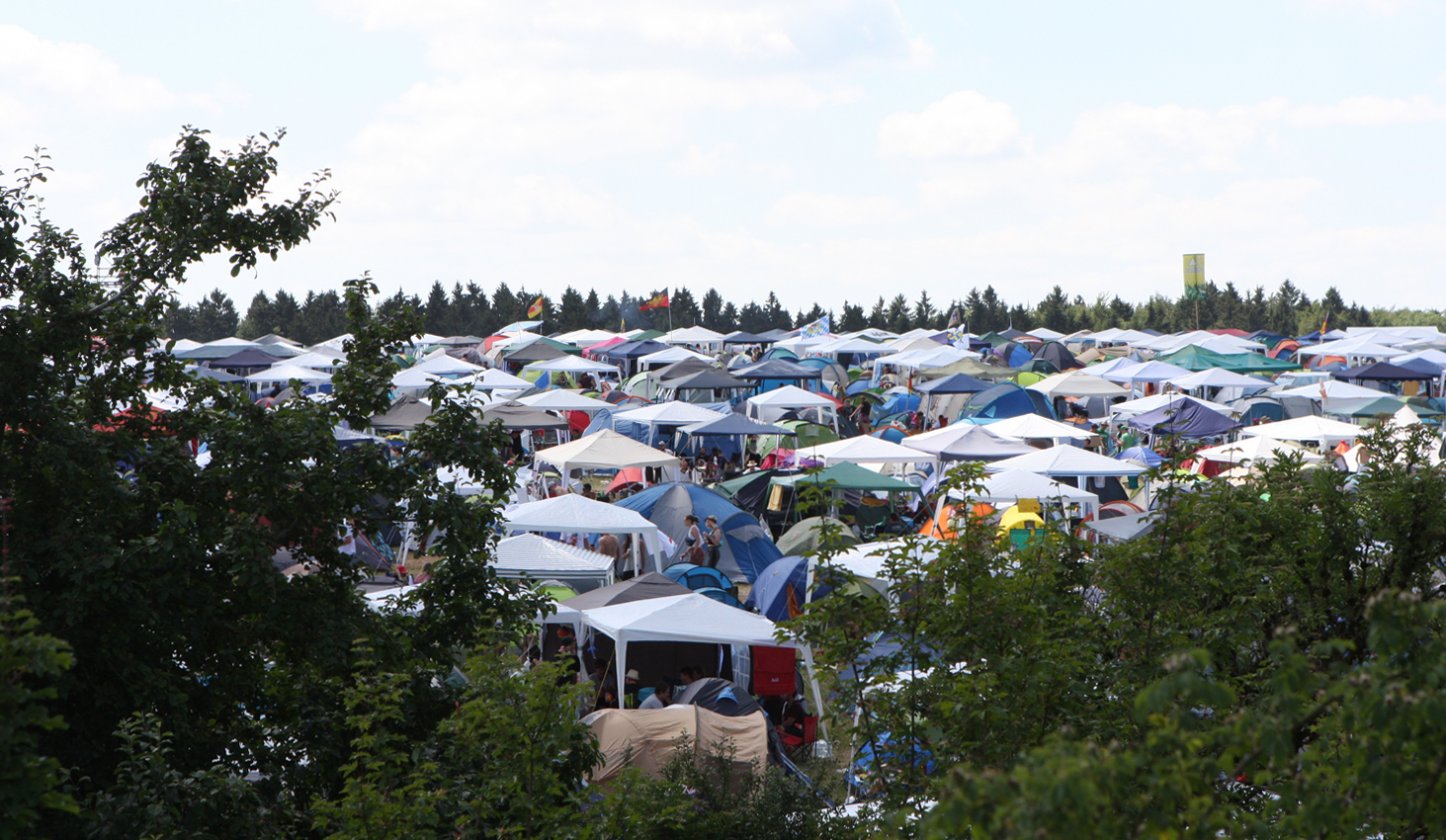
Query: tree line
[(469, 309)]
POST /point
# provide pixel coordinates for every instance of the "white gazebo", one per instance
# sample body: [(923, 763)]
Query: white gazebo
[(690, 618), (671, 414), (866, 449), (1320, 430), (574, 514), (606, 450), (770, 406), (533, 557)]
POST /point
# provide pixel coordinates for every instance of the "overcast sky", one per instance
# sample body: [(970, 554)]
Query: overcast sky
[(821, 150)]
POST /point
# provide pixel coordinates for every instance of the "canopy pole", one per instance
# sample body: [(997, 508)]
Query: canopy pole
[(620, 656), (813, 689)]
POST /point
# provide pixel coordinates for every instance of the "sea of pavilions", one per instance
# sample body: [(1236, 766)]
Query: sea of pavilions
[(672, 487)]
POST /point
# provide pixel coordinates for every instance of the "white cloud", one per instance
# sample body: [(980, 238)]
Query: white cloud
[(963, 124), (833, 211)]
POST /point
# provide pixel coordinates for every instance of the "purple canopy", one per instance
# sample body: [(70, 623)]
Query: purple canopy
[(1186, 418)]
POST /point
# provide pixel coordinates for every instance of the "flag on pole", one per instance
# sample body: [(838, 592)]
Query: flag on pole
[(819, 327), (955, 318), (958, 336), (535, 309), (657, 301), (1194, 276)]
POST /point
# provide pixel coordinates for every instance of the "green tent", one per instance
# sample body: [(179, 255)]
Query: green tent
[(806, 534), (848, 477), (1198, 358)]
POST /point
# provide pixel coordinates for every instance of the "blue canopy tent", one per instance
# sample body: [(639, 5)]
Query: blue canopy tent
[(747, 547), (955, 383), (775, 373), (1185, 418), (727, 433)]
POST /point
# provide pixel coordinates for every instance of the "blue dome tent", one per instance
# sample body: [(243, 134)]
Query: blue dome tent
[(747, 547)]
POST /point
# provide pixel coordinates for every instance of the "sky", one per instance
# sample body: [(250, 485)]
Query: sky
[(822, 150)]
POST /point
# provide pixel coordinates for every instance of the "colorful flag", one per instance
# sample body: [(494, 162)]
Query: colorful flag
[(1194, 276), (535, 309), (819, 327), (958, 336), (657, 301)]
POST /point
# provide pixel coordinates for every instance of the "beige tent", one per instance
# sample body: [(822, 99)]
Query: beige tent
[(649, 739)]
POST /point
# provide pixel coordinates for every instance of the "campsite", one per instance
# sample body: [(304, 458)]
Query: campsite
[(705, 514)]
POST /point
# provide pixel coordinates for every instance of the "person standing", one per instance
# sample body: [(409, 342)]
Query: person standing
[(712, 541), (693, 541)]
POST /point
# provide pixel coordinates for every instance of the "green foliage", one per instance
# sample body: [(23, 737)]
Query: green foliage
[(30, 662), (150, 797), (509, 761)]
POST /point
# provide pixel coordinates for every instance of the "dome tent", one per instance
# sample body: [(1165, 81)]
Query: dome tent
[(746, 548)]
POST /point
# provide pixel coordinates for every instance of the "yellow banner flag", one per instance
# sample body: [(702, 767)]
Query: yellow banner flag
[(1194, 276)]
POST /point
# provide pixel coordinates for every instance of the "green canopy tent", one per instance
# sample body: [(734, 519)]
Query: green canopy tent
[(1193, 357), (837, 480)]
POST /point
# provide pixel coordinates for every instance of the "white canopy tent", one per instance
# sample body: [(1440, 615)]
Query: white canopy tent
[(1321, 430), (670, 356), (695, 336), (1077, 383), (1144, 404), (572, 364), (1256, 450), (441, 363), (680, 618), (536, 557), (586, 337), (866, 449), (563, 400), (943, 437), (770, 406), (1223, 381), (606, 450), (1068, 462), (1011, 485), (867, 559), (283, 374), (574, 514), (1355, 350), (1034, 427), (671, 414), (496, 379)]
